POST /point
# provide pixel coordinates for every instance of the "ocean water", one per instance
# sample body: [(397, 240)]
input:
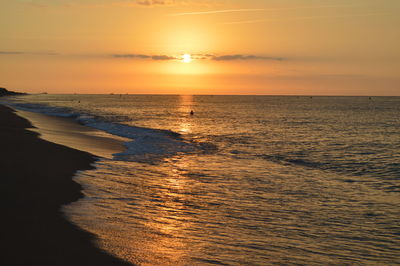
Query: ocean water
[(246, 180)]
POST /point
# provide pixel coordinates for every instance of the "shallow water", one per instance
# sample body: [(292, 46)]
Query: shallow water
[(248, 179)]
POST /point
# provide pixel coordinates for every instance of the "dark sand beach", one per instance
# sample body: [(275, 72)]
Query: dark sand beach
[(36, 180)]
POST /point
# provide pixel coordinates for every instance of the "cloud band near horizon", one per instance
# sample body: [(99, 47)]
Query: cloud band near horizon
[(160, 57), (26, 53), (233, 57)]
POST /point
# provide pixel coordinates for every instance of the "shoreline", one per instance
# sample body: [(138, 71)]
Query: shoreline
[(36, 180), (68, 132)]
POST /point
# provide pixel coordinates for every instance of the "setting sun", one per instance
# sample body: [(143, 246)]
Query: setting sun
[(186, 58)]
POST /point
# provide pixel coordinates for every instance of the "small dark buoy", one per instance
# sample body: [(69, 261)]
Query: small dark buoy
[(191, 112)]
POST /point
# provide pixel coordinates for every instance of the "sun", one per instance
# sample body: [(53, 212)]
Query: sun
[(186, 58)]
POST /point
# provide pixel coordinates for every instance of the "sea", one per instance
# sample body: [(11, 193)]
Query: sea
[(244, 180)]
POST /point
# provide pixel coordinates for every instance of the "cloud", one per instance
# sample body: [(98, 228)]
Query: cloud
[(143, 56), (104, 3), (216, 11), (261, 9), (307, 18), (233, 57), (154, 2), (163, 57), (138, 56), (26, 53), (44, 3), (244, 57), (170, 2), (10, 53)]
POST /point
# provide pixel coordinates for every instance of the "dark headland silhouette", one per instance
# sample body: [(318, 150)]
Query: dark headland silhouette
[(5, 92)]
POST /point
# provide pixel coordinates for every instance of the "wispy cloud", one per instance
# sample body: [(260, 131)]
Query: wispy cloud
[(244, 57), (217, 11), (133, 56), (143, 56), (305, 18), (155, 2), (10, 53), (168, 2), (26, 53), (104, 3), (163, 57), (44, 4), (260, 9)]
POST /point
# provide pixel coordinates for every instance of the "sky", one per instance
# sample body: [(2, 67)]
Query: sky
[(271, 47)]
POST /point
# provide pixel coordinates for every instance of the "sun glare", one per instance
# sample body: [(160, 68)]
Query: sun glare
[(186, 58)]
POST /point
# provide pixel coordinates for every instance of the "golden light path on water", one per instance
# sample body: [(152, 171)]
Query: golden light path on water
[(149, 229), (169, 221), (186, 106), (160, 234)]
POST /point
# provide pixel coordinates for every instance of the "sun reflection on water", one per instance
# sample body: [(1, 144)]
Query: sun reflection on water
[(168, 209), (186, 105), (168, 222)]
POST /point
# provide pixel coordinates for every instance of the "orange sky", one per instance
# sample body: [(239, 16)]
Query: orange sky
[(333, 47)]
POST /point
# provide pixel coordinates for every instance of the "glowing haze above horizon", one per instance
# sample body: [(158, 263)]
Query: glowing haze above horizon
[(284, 47)]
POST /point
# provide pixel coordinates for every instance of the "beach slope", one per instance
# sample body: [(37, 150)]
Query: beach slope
[(35, 181)]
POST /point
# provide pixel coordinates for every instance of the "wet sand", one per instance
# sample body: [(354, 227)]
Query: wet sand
[(36, 180), (67, 132)]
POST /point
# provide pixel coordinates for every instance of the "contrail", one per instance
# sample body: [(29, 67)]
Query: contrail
[(216, 12), (304, 18), (256, 9)]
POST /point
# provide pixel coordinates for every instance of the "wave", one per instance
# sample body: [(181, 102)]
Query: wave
[(146, 145), (387, 172)]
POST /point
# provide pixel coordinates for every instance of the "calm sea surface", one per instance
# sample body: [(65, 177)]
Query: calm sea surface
[(246, 180)]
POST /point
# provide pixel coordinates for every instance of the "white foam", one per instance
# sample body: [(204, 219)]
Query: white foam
[(44, 109), (145, 141)]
